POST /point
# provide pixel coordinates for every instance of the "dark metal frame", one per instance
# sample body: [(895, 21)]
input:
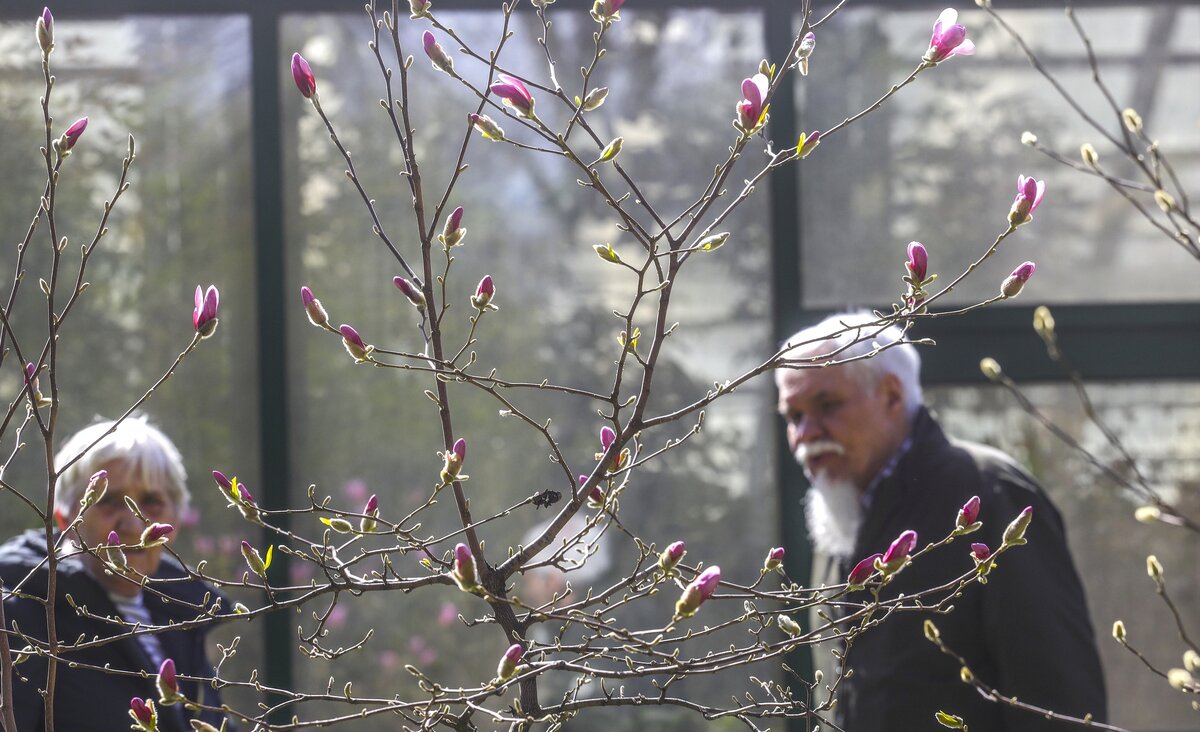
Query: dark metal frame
[(1106, 341)]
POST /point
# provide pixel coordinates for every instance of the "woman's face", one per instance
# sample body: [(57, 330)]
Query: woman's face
[(112, 514)]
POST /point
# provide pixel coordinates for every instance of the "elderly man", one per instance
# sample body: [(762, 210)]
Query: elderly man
[(879, 465), (143, 465)]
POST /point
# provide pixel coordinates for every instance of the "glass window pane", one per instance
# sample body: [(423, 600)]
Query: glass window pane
[(361, 431), (180, 87), (939, 162), (1160, 425)]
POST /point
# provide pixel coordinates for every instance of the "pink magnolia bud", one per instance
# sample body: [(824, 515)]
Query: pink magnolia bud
[(484, 293), (487, 127), (949, 39), (514, 93), (312, 306), (774, 559), (808, 143), (441, 60), (606, 11), (464, 572), (144, 715), (752, 110), (1015, 282), (30, 370), (460, 449), (45, 31), (353, 343), (863, 571), (607, 437), (508, 662), (73, 133), (671, 556), (410, 291), (222, 481), (156, 534), (167, 684), (303, 76), (454, 459), (699, 590), (453, 232), (968, 514), (368, 525), (113, 554), (807, 44), (1014, 534), (918, 262), (204, 316), (595, 495), (1029, 197), (980, 552), (898, 552), (255, 561), (113, 539)]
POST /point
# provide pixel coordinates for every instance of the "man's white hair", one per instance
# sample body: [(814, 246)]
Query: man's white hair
[(134, 443), (855, 334)]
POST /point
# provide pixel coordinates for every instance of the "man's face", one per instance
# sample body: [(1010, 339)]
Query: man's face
[(111, 514), (840, 425)]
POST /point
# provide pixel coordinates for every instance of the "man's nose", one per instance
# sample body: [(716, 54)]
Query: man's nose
[(804, 429)]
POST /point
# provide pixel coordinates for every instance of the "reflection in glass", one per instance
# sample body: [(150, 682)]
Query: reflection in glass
[(1160, 425), (365, 431)]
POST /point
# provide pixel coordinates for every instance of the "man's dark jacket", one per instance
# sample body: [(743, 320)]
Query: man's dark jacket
[(1026, 632), (87, 699)]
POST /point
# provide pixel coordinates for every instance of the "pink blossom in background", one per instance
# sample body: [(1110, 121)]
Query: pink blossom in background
[(204, 546), (448, 615), (389, 660), (355, 490), (421, 651), (337, 617)]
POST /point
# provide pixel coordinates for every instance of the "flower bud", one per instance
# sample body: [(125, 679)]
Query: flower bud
[(453, 232), (72, 135), (367, 525), (145, 717), (1180, 678), (156, 534), (918, 262), (241, 499), (1164, 200), (45, 31), (606, 253), (1191, 660), (464, 573), (513, 92), (1118, 631), (774, 560), (1043, 323), (354, 344), (807, 143), (980, 552), (807, 44), (1090, 157), (167, 684), (410, 291), (606, 11), (312, 306), (990, 368), (441, 60), (419, 8), (932, 634), (862, 572), (594, 98), (699, 590), (254, 560), (671, 556), (713, 242), (338, 524), (113, 553), (508, 662), (204, 316), (1014, 533), (950, 720), (454, 459), (611, 150), (1147, 514), (968, 516), (303, 76), (966, 675), (1028, 138), (1154, 569), (487, 127), (96, 488), (789, 626), (484, 292), (1132, 120), (897, 554), (1012, 286), (1029, 196)]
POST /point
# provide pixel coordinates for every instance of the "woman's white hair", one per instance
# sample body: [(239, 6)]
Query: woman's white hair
[(854, 335), (134, 443)]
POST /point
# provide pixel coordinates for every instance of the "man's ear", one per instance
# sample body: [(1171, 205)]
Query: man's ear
[(892, 393)]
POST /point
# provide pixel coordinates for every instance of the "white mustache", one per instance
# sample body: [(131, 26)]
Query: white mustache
[(808, 450)]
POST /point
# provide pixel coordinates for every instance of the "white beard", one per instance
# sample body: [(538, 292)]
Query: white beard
[(834, 514)]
